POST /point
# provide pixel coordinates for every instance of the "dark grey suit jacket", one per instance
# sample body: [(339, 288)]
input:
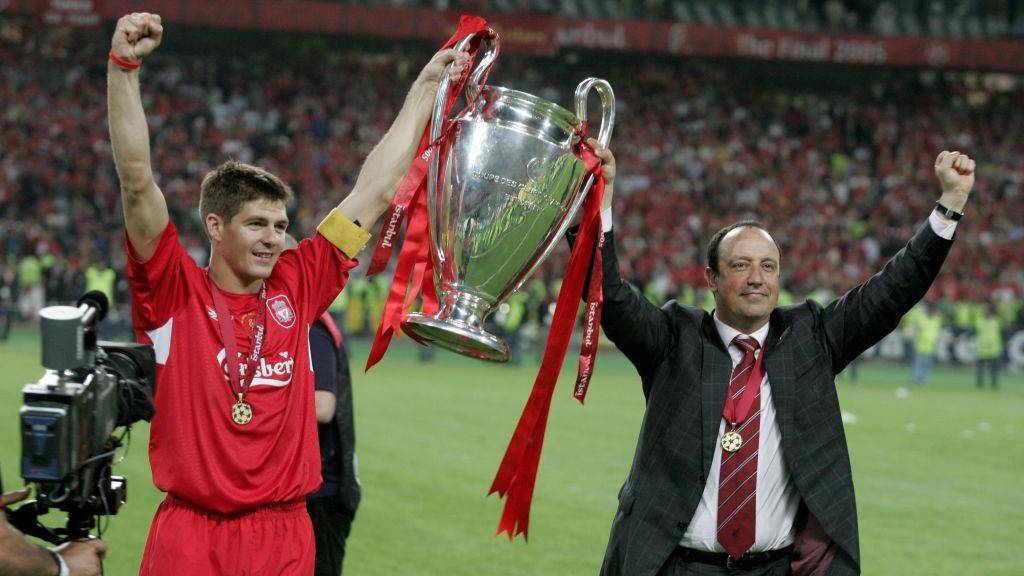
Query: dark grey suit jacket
[(685, 369)]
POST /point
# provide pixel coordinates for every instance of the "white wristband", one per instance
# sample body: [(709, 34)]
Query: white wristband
[(61, 564)]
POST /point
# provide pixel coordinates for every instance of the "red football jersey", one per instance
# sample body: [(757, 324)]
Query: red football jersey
[(196, 451)]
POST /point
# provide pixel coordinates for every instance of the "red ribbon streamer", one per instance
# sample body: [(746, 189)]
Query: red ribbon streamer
[(592, 317), (410, 205), (517, 474)]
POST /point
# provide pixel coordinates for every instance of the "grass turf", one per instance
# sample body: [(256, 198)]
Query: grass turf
[(937, 473)]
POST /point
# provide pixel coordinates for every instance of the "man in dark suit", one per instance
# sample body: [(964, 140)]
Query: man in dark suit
[(741, 466)]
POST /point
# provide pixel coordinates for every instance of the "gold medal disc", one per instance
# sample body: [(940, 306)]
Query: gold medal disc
[(241, 412), (732, 441)]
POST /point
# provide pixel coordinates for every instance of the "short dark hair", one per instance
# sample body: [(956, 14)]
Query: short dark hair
[(716, 240), (228, 187)]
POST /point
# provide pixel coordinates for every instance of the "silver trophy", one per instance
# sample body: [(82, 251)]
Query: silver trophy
[(508, 188)]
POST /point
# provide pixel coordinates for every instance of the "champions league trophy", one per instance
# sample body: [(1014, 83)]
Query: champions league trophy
[(503, 188)]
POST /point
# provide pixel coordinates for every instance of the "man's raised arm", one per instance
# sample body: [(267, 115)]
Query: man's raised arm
[(145, 210), (384, 167)]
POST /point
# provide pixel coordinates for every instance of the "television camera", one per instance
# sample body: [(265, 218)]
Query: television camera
[(69, 416)]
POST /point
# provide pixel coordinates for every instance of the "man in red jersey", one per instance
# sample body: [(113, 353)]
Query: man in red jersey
[(234, 441)]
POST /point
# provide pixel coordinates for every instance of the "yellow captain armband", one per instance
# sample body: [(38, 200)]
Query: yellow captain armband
[(343, 233)]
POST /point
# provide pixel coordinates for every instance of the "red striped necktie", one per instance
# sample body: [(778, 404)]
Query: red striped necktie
[(737, 479)]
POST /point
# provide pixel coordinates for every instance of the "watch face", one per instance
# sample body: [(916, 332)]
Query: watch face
[(947, 212)]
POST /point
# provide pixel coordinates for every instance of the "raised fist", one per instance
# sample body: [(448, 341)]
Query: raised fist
[(136, 36), (956, 173)]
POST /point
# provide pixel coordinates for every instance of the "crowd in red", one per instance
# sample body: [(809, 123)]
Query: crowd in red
[(840, 177)]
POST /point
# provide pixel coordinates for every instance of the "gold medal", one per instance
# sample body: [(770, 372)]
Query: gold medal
[(732, 441), (241, 412)]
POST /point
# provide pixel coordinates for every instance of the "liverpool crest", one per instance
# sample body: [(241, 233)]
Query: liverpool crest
[(282, 311)]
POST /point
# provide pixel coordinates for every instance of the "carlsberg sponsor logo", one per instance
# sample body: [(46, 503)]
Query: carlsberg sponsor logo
[(268, 371)]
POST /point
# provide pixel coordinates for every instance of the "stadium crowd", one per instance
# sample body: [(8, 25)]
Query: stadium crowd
[(944, 18), (841, 175)]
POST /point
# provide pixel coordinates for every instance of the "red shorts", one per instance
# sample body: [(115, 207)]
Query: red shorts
[(272, 540)]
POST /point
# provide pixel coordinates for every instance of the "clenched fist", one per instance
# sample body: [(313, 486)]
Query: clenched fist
[(956, 176), (136, 36)]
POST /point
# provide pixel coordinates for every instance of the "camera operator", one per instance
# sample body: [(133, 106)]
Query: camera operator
[(19, 557)]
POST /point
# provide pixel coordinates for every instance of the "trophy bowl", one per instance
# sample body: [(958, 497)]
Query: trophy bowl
[(502, 188)]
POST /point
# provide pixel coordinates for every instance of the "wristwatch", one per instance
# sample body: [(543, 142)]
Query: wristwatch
[(946, 212)]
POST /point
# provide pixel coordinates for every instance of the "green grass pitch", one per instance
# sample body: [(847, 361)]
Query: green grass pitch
[(937, 473)]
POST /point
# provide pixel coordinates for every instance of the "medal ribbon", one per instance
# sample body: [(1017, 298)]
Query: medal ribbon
[(517, 474), (227, 334), (737, 413), (414, 274)]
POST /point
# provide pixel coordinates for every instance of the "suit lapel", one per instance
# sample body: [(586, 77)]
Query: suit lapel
[(715, 372), (778, 362)]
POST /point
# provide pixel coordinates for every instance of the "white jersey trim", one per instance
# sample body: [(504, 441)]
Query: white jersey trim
[(161, 338)]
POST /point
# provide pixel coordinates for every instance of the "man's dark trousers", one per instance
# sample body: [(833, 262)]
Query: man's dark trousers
[(332, 521)]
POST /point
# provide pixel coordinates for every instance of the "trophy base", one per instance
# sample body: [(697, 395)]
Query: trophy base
[(456, 336)]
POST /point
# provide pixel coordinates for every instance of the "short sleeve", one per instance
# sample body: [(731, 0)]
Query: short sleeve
[(158, 285), (318, 270)]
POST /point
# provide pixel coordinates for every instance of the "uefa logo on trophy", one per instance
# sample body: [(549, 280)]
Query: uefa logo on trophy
[(503, 188)]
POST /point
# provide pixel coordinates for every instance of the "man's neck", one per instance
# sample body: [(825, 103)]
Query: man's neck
[(744, 327), (225, 279)]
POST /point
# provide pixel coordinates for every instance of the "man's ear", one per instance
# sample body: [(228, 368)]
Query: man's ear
[(711, 279), (214, 227)]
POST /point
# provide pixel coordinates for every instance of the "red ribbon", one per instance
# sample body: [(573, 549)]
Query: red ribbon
[(518, 471), (592, 318), (410, 205)]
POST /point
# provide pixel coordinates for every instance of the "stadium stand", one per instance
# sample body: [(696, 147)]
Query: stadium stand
[(945, 18), (839, 168)]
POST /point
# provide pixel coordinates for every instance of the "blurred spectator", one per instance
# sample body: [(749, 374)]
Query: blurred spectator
[(989, 331), (8, 298), (30, 279), (926, 331)]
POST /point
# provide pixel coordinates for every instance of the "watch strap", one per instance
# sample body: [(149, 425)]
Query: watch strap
[(948, 213)]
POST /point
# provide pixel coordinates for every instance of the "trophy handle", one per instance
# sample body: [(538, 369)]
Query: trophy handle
[(437, 123), (476, 78), (603, 88), (604, 135)]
